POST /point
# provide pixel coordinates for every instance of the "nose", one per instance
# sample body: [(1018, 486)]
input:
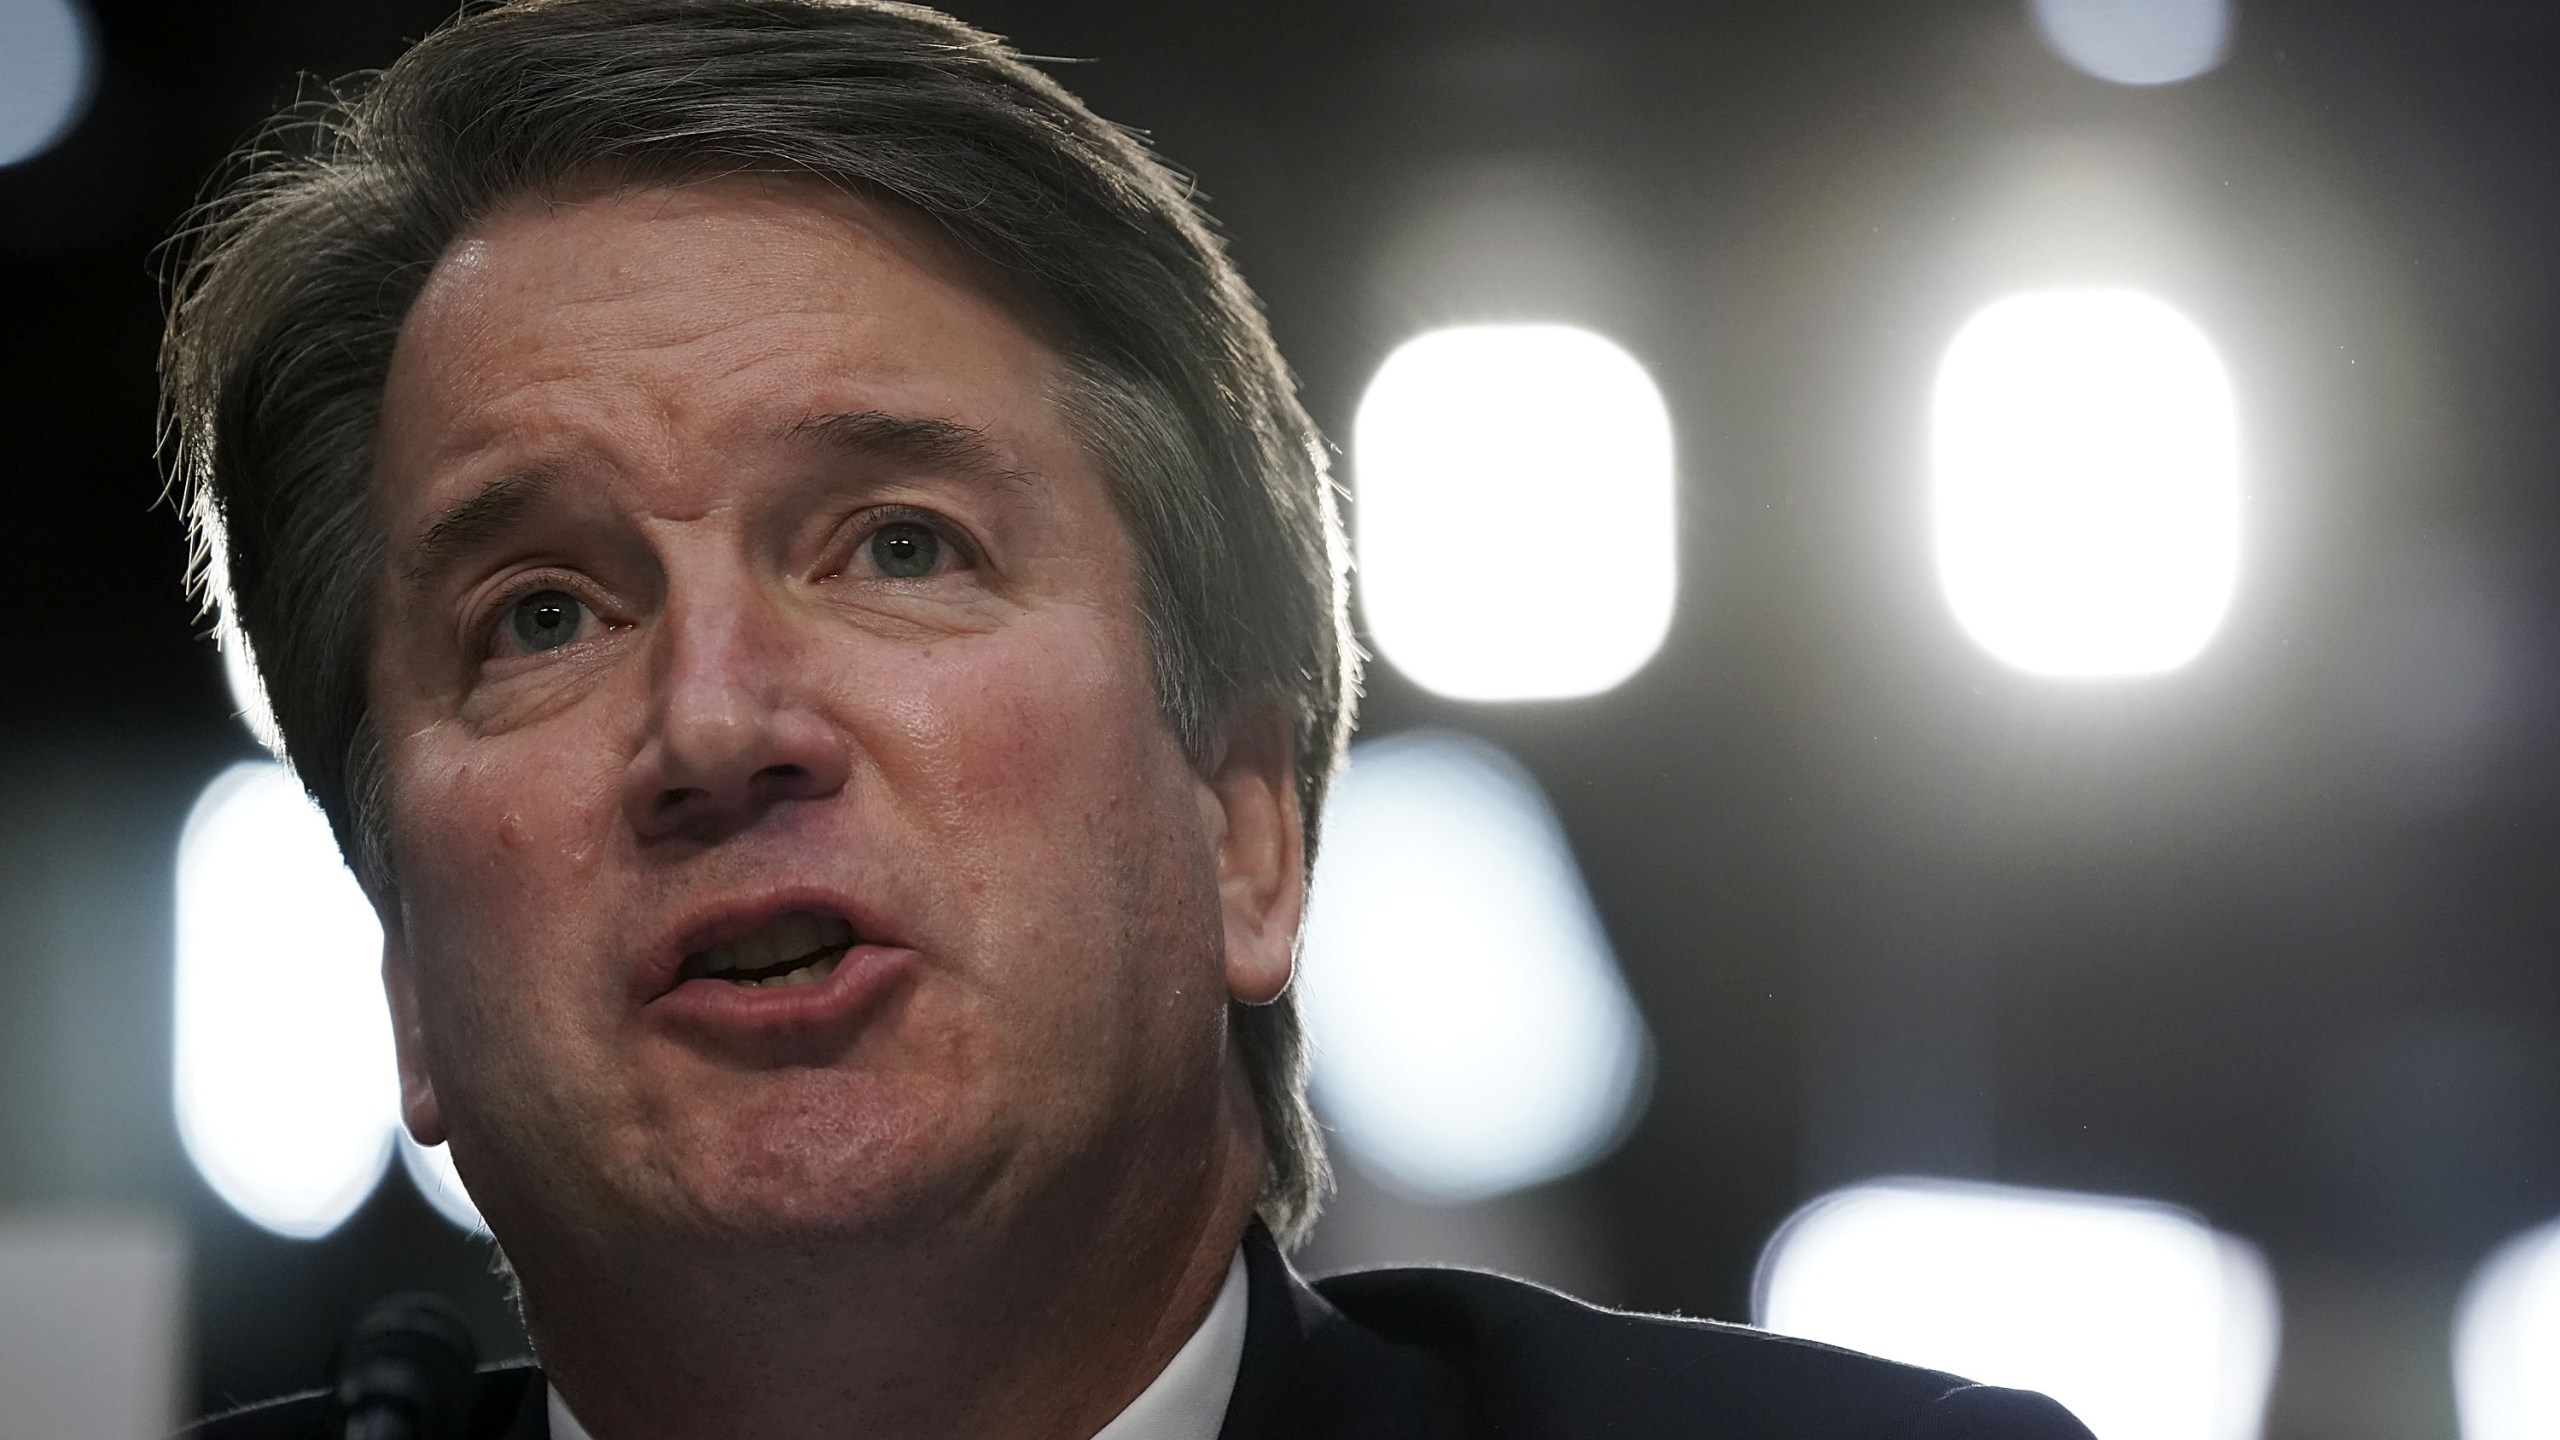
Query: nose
[(735, 727)]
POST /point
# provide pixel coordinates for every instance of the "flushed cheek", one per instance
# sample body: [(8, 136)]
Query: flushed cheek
[(1064, 689), (1015, 750), (1060, 807), (499, 865)]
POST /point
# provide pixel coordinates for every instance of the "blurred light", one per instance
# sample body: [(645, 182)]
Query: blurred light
[(2144, 1322), (2506, 1343), (2087, 479), (2137, 42), (431, 1170), (1510, 238), (1471, 1033), (93, 1319), (47, 66), (286, 1089), (1514, 512)]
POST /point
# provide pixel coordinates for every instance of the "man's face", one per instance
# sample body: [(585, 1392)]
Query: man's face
[(788, 838)]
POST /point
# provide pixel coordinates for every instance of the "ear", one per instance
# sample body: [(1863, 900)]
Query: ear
[(417, 1092), (1252, 796)]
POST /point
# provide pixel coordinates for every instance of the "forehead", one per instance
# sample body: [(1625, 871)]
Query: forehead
[(704, 307)]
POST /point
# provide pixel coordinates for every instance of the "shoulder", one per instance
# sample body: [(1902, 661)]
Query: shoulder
[(1540, 1363), (506, 1404)]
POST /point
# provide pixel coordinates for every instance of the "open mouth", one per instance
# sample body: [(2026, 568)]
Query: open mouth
[(799, 947)]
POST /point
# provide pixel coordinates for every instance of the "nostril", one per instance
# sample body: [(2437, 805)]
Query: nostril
[(725, 795), (776, 781)]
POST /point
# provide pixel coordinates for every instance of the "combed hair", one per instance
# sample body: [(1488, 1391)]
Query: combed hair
[(291, 283)]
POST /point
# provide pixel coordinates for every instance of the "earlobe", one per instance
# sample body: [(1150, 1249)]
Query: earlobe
[(1261, 854), (418, 1107)]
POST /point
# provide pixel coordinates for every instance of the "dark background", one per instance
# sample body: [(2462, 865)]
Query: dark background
[(2273, 937)]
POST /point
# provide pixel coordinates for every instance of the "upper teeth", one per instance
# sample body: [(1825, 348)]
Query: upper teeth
[(799, 935)]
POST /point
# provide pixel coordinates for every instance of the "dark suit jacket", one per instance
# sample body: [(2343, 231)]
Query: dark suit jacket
[(1458, 1355)]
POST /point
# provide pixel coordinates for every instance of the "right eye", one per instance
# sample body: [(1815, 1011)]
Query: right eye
[(544, 620), (905, 550)]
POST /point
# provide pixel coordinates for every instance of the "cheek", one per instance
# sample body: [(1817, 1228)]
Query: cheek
[(1057, 797), (498, 855), (1036, 734)]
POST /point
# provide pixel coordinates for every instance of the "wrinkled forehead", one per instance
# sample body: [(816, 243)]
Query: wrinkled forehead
[(779, 200), (748, 291), (573, 246)]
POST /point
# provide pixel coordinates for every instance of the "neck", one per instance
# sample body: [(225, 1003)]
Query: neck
[(1041, 1325)]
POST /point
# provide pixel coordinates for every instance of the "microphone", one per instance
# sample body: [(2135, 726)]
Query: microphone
[(405, 1371)]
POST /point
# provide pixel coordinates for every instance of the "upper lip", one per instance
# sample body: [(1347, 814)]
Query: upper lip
[(716, 923)]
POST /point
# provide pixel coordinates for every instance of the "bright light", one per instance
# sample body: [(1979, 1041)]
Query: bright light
[(248, 691), (93, 1312), (2087, 483), (1514, 512), (431, 1170), (286, 1090), (2144, 1322), (2137, 42), (47, 65), (2506, 1343), (1471, 1033)]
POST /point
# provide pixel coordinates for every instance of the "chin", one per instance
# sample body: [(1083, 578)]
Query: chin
[(813, 1173)]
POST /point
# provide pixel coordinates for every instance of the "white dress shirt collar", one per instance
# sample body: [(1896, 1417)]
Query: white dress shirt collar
[(1186, 1401)]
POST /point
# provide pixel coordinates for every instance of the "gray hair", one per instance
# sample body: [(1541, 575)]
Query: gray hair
[(292, 282)]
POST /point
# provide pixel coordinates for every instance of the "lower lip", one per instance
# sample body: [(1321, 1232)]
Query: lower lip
[(860, 978)]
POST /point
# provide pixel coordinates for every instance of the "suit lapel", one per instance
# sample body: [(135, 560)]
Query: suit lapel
[(1309, 1373)]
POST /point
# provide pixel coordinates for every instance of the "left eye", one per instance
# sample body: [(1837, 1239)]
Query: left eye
[(546, 620), (905, 550)]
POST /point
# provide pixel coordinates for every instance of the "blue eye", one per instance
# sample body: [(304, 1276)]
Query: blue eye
[(546, 619), (904, 550)]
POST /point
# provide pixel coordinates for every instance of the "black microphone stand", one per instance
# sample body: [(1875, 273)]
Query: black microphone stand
[(405, 1372)]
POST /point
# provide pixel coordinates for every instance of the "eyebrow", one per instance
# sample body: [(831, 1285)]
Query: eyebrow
[(922, 441), (487, 511)]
